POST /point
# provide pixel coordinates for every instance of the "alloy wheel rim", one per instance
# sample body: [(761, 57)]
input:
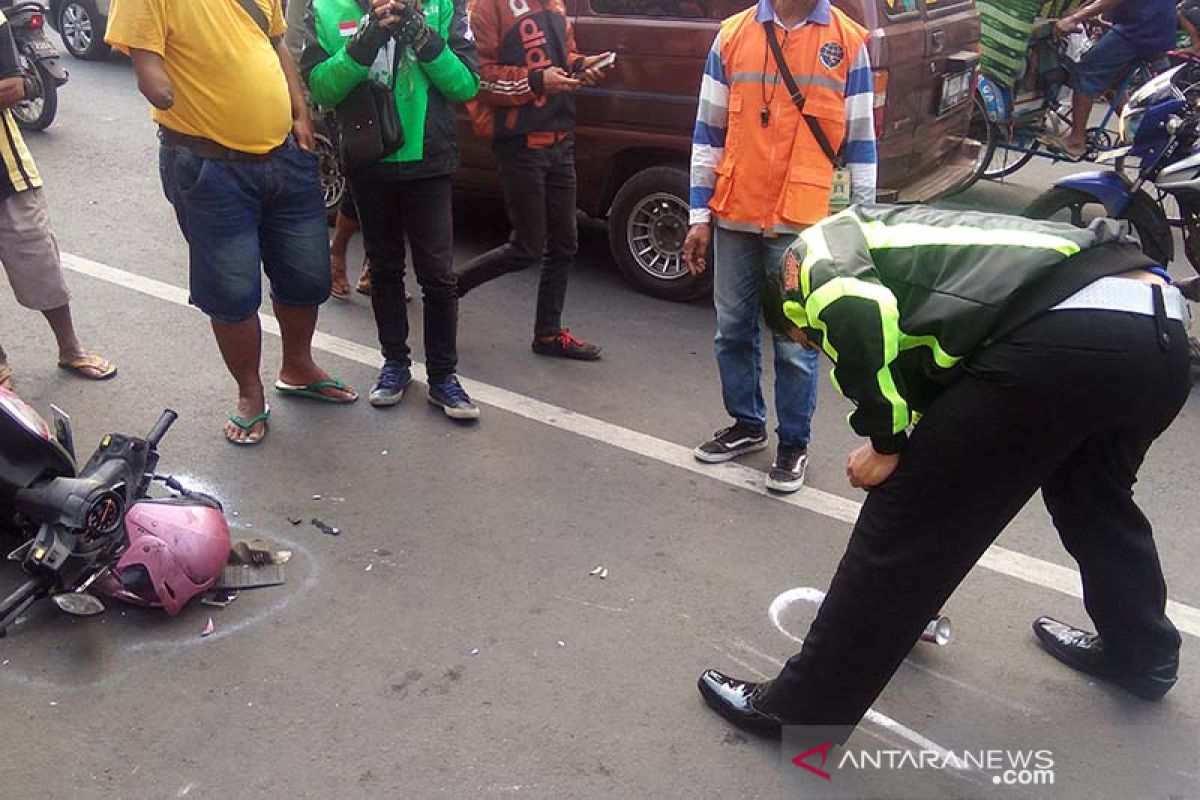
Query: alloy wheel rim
[(77, 27), (655, 234)]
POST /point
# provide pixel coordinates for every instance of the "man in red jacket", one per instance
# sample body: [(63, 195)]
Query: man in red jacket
[(529, 70)]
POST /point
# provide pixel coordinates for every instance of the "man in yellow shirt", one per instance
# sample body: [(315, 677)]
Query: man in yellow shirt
[(237, 164)]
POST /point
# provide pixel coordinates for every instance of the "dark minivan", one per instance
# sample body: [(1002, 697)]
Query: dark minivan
[(634, 131)]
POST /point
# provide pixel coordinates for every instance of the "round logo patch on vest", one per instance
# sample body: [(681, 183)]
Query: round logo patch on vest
[(832, 54)]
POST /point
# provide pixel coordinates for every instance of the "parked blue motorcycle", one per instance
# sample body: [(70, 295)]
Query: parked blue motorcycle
[(1160, 130)]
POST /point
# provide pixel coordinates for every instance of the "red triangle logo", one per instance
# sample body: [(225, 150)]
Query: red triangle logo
[(823, 749)]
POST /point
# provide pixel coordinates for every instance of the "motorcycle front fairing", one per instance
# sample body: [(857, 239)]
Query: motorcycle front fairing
[(28, 451)]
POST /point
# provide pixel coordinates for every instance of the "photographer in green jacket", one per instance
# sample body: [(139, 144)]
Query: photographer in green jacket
[(424, 53)]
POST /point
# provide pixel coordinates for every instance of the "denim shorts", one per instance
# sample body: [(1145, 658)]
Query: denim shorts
[(1102, 67), (237, 215)]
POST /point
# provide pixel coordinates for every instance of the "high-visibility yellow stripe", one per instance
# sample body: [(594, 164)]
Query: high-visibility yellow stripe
[(889, 318), (10, 156), (940, 356), (881, 236)]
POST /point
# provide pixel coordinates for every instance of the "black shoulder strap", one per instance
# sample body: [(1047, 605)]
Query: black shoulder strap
[(256, 14), (790, 82)]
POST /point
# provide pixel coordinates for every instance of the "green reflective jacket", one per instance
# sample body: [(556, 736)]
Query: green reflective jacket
[(898, 296), (426, 83)]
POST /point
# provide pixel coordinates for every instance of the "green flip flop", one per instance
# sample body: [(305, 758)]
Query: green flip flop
[(313, 390), (247, 425)]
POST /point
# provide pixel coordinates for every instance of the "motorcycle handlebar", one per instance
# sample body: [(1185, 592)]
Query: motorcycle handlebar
[(161, 427)]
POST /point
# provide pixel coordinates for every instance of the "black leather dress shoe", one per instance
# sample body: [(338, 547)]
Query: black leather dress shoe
[(733, 700), (1085, 652)]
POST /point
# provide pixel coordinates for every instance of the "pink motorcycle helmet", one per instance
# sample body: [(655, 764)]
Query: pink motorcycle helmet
[(177, 550)]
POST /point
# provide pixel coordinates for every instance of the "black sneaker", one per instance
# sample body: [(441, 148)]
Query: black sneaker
[(564, 345), (787, 473), (729, 443), (453, 399), (388, 390)]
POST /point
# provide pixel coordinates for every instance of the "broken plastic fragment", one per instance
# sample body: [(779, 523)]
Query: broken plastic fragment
[(316, 497), (604, 573), (209, 628), (475, 652), (596, 571), (383, 452), (282, 556), (326, 529), (368, 569), (561, 643)]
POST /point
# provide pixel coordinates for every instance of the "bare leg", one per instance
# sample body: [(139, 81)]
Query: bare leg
[(71, 353), (296, 325), (343, 231), (241, 347), (1081, 112), (69, 346)]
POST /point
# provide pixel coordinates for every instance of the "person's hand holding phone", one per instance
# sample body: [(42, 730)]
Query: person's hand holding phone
[(595, 68), (557, 81)]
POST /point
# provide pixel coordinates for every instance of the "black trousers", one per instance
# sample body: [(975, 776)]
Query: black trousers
[(1069, 404), (391, 211), (539, 192)]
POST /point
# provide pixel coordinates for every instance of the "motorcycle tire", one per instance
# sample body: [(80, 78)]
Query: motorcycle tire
[(1142, 213), (36, 113)]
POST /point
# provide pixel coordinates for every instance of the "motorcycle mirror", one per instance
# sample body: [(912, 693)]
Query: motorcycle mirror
[(62, 429), (79, 605)]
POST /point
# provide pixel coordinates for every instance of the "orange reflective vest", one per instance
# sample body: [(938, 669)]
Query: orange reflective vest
[(775, 176)]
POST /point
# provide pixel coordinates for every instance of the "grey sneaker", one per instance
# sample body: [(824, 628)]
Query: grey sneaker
[(388, 390), (729, 443), (787, 473)]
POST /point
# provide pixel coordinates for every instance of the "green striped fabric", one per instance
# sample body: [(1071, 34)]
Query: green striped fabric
[(1007, 25)]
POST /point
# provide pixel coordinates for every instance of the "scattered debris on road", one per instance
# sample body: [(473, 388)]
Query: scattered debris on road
[(208, 629), (219, 598), (325, 529)]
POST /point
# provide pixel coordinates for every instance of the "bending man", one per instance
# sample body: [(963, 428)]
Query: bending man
[(1038, 356)]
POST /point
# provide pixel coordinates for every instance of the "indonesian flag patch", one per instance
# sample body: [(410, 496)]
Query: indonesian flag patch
[(347, 28)]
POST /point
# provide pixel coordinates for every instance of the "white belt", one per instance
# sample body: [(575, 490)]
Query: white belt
[(1124, 294)]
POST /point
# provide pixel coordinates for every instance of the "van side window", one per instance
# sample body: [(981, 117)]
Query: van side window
[(680, 9), (899, 8)]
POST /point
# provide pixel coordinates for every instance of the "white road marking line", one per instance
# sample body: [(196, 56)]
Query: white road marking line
[(997, 559)]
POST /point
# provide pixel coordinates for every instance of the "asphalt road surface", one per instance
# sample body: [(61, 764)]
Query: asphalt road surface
[(451, 642)]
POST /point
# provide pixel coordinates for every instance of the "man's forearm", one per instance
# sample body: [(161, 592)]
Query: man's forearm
[(1094, 9)]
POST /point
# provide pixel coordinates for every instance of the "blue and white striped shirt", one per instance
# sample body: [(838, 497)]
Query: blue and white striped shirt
[(712, 120)]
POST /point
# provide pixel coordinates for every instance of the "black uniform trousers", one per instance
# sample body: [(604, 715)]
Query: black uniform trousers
[(1069, 404)]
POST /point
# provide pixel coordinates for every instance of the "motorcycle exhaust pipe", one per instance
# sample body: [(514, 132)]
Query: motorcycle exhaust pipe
[(937, 631)]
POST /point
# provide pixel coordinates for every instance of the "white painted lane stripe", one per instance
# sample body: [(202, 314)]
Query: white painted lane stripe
[(997, 559)]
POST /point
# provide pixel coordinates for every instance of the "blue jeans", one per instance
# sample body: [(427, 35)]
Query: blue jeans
[(1102, 67), (241, 218), (742, 263)]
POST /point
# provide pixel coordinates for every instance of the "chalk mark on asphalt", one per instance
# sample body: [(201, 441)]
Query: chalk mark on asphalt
[(997, 559)]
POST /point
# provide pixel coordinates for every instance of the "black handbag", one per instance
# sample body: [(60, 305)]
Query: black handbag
[(369, 122)]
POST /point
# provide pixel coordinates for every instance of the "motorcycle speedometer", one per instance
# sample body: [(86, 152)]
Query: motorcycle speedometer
[(104, 514)]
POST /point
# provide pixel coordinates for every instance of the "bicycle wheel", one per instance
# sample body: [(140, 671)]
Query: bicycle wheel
[(1009, 157)]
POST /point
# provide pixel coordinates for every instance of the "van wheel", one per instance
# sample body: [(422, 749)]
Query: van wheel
[(646, 229), (82, 30)]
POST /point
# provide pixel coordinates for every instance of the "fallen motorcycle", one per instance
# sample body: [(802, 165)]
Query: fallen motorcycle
[(97, 528)]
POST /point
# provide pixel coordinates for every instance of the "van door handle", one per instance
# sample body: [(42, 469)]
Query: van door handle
[(938, 39)]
